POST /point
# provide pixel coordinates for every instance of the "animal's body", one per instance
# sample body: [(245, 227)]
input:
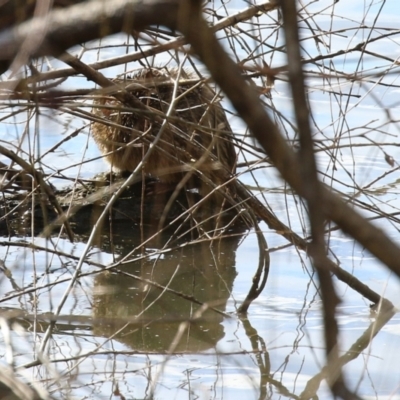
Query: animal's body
[(197, 134)]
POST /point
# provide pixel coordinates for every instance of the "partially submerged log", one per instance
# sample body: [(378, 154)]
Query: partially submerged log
[(142, 203)]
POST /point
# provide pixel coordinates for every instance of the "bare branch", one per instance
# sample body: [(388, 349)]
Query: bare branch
[(312, 193), (64, 28), (245, 99)]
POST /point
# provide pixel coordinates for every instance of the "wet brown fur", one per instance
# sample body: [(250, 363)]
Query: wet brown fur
[(207, 136)]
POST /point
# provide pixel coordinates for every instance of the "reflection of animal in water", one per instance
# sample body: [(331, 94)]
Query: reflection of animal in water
[(202, 272), (197, 132)]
